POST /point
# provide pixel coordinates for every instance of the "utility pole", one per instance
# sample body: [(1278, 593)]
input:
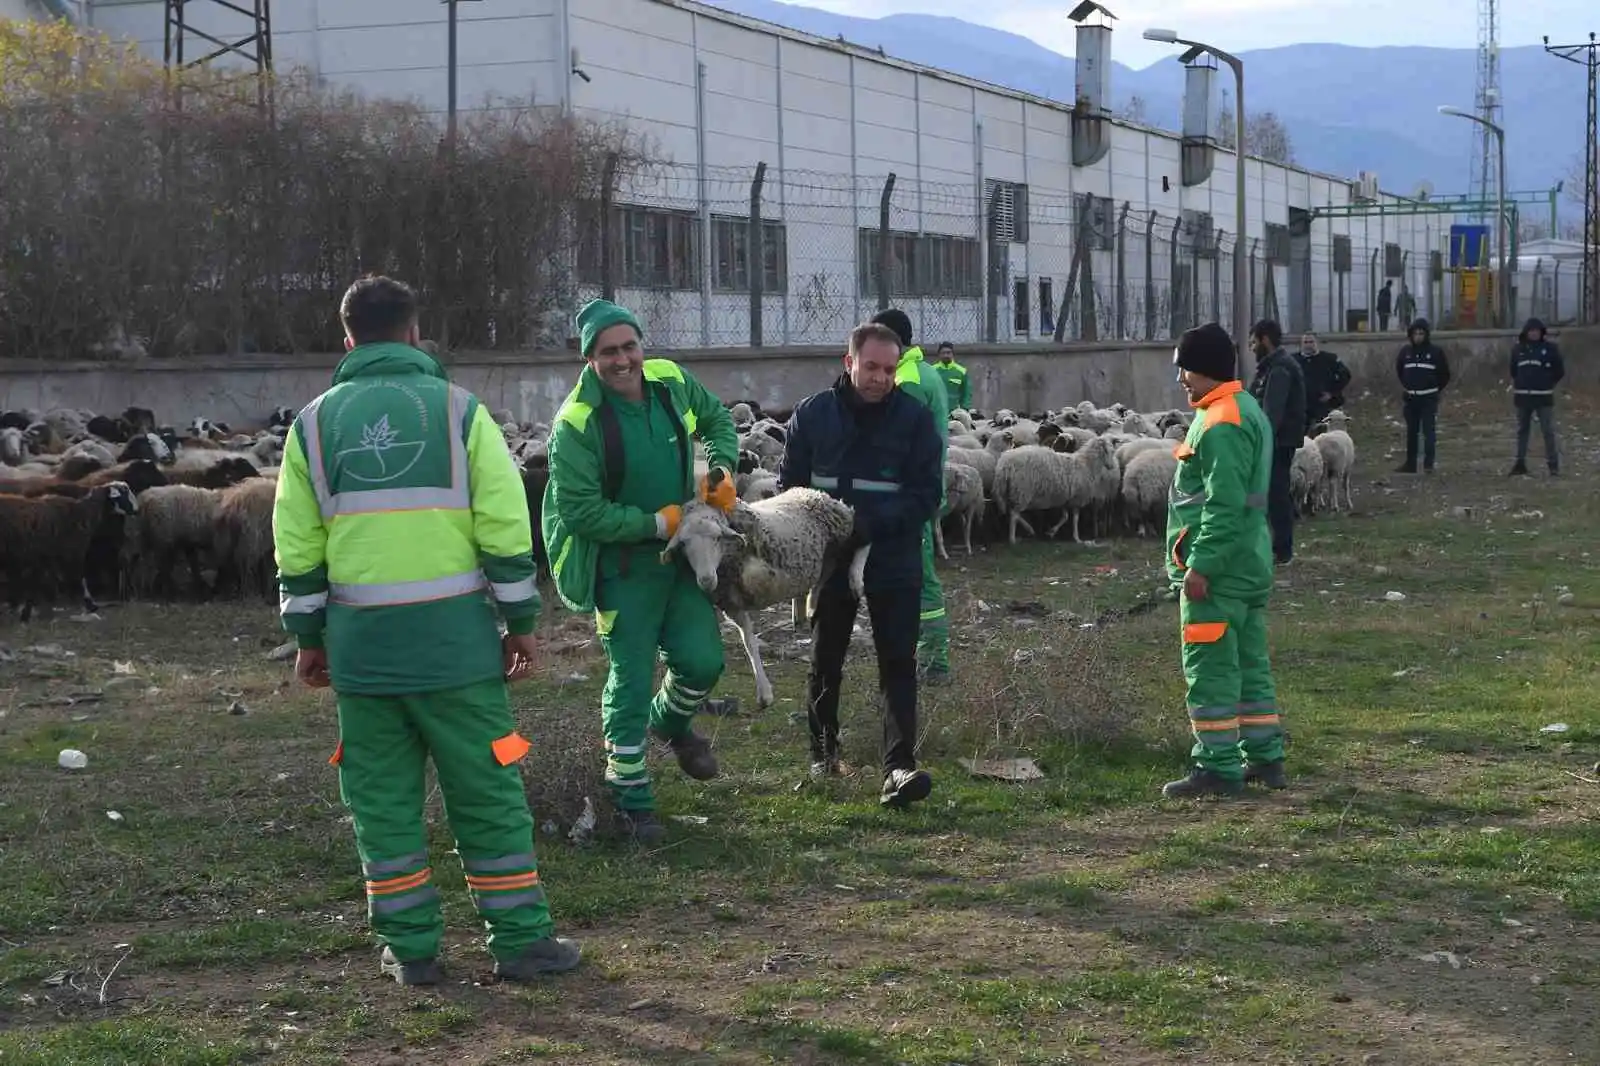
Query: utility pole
[(450, 119), (1588, 56)]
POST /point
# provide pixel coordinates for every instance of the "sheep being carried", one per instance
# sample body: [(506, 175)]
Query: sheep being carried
[(779, 549)]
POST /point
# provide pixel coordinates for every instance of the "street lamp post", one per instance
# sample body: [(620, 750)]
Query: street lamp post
[(1502, 224), (1241, 272)]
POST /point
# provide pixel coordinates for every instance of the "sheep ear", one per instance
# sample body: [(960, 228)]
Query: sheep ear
[(733, 534)]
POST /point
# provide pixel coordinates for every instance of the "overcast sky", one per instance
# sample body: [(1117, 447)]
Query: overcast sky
[(1239, 25)]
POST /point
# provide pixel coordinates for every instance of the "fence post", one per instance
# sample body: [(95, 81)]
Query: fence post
[(1150, 278), (883, 241), (1372, 291), (1179, 294), (1216, 286), (1122, 271), (608, 194), (1079, 254), (758, 255), (1088, 310), (1255, 246)]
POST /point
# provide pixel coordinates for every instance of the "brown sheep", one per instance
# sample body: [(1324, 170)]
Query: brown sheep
[(49, 537), (244, 537)]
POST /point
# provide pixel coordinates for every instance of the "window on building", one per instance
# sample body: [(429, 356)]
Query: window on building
[(1019, 306), (659, 248), (920, 264), (1008, 211)]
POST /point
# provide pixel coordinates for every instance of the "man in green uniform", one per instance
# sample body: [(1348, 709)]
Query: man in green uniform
[(621, 464), (399, 515), (954, 376), (921, 381), (1219, 553)]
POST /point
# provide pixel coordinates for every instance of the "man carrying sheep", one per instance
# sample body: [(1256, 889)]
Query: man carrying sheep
[(877, 448), (1219, 555), (921, 382), (399, 527), (621, 465)]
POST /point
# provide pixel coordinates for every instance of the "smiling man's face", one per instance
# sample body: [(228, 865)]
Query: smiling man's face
[(618, 358)]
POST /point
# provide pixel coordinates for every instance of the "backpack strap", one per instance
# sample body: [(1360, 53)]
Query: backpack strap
[(611, 451)]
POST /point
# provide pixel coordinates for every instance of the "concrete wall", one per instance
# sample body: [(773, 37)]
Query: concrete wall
[(244, 391)]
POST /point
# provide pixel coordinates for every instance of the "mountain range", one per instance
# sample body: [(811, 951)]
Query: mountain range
[(1346, 109)]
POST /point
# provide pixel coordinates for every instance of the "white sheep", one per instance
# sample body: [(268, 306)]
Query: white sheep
[(766, 553), (13, 447), (1146, 484), (1034, 478), (1126, 452), (1338, 450), (174, 519), (1305, 474), (963, 491)]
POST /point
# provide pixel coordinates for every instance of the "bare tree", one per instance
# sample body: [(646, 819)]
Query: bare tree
[(1268, 138), (1135, 110), (1225, 122)]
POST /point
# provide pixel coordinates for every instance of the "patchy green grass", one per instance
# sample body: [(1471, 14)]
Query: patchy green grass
[(1426, 891)]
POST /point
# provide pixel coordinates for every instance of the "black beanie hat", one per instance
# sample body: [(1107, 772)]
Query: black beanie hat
[(898, 321), (1206, 350)]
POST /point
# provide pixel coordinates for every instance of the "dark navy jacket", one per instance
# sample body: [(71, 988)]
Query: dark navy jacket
[(883, 460), (1422, 368), (1536, 369)]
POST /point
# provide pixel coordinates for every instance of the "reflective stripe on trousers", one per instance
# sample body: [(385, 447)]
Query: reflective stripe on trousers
[(1256, 500), (457, 496)]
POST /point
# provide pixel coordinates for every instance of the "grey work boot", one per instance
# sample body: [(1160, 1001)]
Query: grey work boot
[(642, 827), (1201, 782), (415, 972), (694, 755), (550, 955), (1269, 774)]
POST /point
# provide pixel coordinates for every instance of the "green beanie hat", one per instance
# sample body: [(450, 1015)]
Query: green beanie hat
[(597, 316)]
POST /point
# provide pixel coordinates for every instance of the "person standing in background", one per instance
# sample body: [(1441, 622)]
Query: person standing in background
[(1536, 369), (1280, 390), (955, 379), (1326, 378), (1424, 373)]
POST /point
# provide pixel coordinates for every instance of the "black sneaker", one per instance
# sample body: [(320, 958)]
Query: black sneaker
[(1201, 782), (642, 827), (1406, 468), (903, 787), (547, 956), (1519, 470), (415, 972), (1269, 774)]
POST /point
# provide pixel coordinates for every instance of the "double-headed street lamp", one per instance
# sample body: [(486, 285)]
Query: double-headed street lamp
[(1502, 227), (1241, 273)]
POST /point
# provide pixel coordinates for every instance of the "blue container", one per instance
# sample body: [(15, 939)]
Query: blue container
[(1469, 247)]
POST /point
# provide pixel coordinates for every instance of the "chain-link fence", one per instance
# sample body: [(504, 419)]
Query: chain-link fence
[(996, 261)]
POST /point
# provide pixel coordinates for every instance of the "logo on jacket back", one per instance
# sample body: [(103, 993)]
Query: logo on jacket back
[(392, 440)]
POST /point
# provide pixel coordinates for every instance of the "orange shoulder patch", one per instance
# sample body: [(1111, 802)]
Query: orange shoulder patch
[(1223, 411)]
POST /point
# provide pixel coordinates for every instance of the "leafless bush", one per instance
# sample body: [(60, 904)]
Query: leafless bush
[(136, 220)]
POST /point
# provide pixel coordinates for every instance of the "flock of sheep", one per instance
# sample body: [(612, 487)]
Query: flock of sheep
[(104, 507)]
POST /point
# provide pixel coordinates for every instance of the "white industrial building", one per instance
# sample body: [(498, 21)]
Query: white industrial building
[(988, 201)]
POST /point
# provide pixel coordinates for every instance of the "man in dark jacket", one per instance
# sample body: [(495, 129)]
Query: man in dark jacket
[(1424, 373), (1325, 376), (1280, 388), (874, 446), (1536, 370), (1385, 305)]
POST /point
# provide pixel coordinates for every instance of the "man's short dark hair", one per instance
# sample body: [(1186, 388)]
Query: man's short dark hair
[(377, 309), (1270, 330), (872, 331)]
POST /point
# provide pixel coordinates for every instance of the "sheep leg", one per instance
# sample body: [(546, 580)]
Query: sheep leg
[(1066, 513), (752, 651), (966, 530), (858, 571), (800, 611), (1077, 513)]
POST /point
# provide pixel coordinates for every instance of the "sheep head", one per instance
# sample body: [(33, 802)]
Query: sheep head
[(703, 536)]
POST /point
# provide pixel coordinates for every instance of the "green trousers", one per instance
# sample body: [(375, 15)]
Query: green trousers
[(656, 611), (933, 637), (384, 745), (1233, 704)]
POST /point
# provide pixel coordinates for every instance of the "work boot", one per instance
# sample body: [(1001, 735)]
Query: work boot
[(902, 787), (1518, 470), (642, 827), (694, 755), (1406, 468), (415, 972), (1201, 782), (550, 955), (1269, 774), (1555, 469), (933, 676)]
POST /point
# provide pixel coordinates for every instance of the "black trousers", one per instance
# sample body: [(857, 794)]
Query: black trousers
[(1422, 416), (1280, 503), (895, 614), (1546, 414)]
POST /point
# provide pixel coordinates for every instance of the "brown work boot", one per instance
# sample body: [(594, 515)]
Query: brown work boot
[(694, 755)]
